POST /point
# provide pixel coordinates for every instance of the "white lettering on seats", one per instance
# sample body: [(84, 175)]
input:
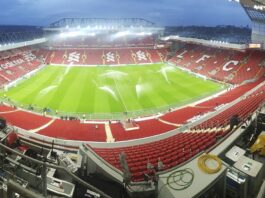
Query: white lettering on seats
[(181, 55), (226, 68), (203, 58), (28, 56), (141, 55), (12, 63), (110, 57), (73, 57)]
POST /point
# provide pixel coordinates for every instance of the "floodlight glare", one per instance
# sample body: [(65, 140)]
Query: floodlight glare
[(63, 35), (121, 34), (68, 34), (144, 34), (91, 34)]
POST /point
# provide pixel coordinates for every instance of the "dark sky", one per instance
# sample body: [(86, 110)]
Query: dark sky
[(162, 12)]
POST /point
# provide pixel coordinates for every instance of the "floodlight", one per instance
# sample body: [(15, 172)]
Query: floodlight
[(91, 34), (165, 38), (121, 34), (63, 35), (144, 34), (69, 34), (73, 34)]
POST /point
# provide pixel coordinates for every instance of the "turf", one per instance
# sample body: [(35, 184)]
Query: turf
[(104, 89)]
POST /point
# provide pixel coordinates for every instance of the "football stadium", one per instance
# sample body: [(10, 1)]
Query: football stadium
[(126, 108)]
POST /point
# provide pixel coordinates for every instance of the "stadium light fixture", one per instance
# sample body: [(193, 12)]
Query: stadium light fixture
[(121, 34), (144, 34), (68, 34), (130, 33), (62, 35), (165, 38), (91, 34), (76, 33)]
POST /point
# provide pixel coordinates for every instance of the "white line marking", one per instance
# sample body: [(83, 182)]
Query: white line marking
[(42, 127), (109, 133), (9, 111)]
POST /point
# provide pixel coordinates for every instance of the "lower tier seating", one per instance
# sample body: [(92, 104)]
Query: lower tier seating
[(74, 130), (171, 152), (22, 119)]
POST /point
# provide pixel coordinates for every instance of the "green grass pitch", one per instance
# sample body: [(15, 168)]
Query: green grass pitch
[(105, 89)]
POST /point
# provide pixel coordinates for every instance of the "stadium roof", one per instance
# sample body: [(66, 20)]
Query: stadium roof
[(255, 9), (84, 22), (104, 25)]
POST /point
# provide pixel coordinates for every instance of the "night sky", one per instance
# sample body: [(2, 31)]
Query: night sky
[(162, 12)]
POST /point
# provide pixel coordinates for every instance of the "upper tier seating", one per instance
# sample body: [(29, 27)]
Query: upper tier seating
[(102, 41)]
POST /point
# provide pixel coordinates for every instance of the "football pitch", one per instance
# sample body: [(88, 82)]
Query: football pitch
[(105, 89)]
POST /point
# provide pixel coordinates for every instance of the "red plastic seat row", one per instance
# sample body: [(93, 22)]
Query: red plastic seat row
[(171, 151)]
